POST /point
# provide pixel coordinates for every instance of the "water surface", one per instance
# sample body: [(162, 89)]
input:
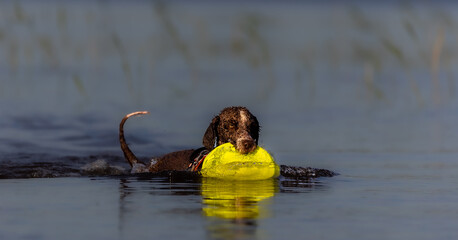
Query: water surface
[(366, 90), (379, 196)]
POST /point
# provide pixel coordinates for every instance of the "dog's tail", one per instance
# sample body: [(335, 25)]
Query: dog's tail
[(128, 154)]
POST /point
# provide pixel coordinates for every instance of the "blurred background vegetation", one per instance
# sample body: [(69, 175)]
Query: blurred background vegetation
[(317, 54), (187, 60)]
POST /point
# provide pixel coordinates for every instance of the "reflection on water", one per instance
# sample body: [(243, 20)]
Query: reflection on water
[(217, 209), (237, 199), (243, 203), (230, 209)]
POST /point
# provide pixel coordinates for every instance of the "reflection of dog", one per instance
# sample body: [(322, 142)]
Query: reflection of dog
[(235, 125)]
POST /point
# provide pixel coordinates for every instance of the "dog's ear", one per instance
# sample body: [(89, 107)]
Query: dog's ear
[(210, 139), (255, 129)]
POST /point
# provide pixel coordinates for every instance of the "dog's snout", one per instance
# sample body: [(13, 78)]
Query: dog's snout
[(246, 146)]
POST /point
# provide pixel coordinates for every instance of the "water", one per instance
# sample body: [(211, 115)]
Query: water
[(379, 197), (366, 90)]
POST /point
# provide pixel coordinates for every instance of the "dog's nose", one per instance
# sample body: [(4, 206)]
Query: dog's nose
[(248, 145)]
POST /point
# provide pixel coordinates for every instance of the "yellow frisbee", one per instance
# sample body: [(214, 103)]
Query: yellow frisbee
[(227, 163)]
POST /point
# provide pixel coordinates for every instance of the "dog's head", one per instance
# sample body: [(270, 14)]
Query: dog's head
[(234, 125)]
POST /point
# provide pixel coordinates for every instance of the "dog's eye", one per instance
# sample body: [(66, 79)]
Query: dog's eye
[(231, 124)]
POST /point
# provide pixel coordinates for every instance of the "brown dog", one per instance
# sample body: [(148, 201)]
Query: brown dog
[(235, 125)]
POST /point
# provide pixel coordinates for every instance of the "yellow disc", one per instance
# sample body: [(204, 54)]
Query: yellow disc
[(227, 163)]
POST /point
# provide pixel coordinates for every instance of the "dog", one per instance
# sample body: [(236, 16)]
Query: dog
[(235, 125)]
